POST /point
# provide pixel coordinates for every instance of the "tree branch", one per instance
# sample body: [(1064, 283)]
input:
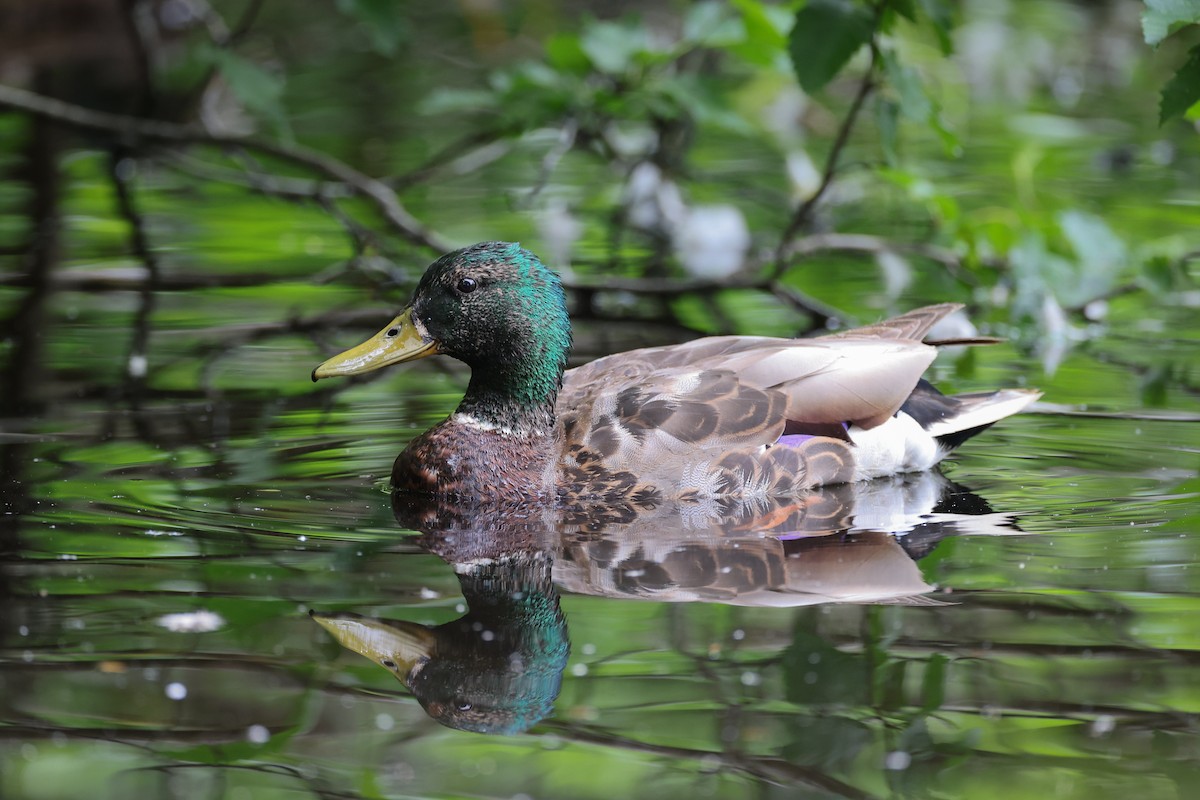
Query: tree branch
[(802, 213), (133, 131)]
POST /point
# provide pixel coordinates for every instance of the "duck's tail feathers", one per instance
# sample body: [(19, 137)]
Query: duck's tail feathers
[(953, 420)]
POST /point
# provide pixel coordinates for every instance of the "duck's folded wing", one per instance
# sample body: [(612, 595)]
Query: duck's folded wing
[(732, 391)]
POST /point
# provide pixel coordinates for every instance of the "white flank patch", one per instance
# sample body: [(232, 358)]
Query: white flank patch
[(898, 445)]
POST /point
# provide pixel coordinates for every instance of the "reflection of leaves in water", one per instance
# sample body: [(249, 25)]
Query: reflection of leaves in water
[(831, 742), (818, 674)]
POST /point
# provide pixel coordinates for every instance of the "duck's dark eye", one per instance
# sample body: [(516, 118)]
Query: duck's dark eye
[(463, 705), (466, 285), (387, 662)]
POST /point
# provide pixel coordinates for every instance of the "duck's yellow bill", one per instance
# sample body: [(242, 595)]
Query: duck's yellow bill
[(397, 645), (400, 341)]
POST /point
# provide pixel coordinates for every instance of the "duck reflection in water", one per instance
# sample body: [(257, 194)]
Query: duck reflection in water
[(498, 669)]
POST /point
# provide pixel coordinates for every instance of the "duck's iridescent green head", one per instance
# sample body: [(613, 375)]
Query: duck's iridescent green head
[(493, 305), (493, 301)]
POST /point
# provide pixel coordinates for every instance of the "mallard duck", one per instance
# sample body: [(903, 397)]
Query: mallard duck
[(719, 416)]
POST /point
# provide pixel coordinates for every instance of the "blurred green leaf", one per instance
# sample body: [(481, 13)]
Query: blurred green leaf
[(1162, 274), (457, 101), (712, 25), (612, 47), (830, 743), (565, 52), (1164, 17), (259, 90), (766, 31), (385, 21), (887, 118), (933, 683), (1100, 251), (817, 673), (1182, 92), (905, 8), (692, 98), (941, 15), (826, 34), (1154, 386), (915, 102)]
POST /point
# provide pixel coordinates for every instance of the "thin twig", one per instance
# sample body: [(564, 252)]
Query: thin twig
[(876, 245), (132, 131), (265, 183), (244, 23), (448, 155), (126, 279), (566, 140), (802, 213)]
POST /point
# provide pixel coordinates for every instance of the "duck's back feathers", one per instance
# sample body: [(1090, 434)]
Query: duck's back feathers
[(913, 325), (747, 414)]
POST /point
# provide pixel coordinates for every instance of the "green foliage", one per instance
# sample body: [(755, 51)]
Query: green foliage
[(259, 89), (1182, 92), (825, 35), (907, 96), (1163, 19), (943, 17), (384, 20), (232, 486), (766, 27)]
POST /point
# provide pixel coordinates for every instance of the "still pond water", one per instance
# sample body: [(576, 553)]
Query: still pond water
[(1025, 626)]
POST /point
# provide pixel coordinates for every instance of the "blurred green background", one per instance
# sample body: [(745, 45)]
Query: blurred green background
[(201, 200)]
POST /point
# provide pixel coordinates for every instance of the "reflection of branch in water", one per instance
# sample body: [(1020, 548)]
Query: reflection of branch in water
[(24, 328), (344, 180), (133, 130), (770, 769), (95, 281), (121, 167), (310, 782)]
